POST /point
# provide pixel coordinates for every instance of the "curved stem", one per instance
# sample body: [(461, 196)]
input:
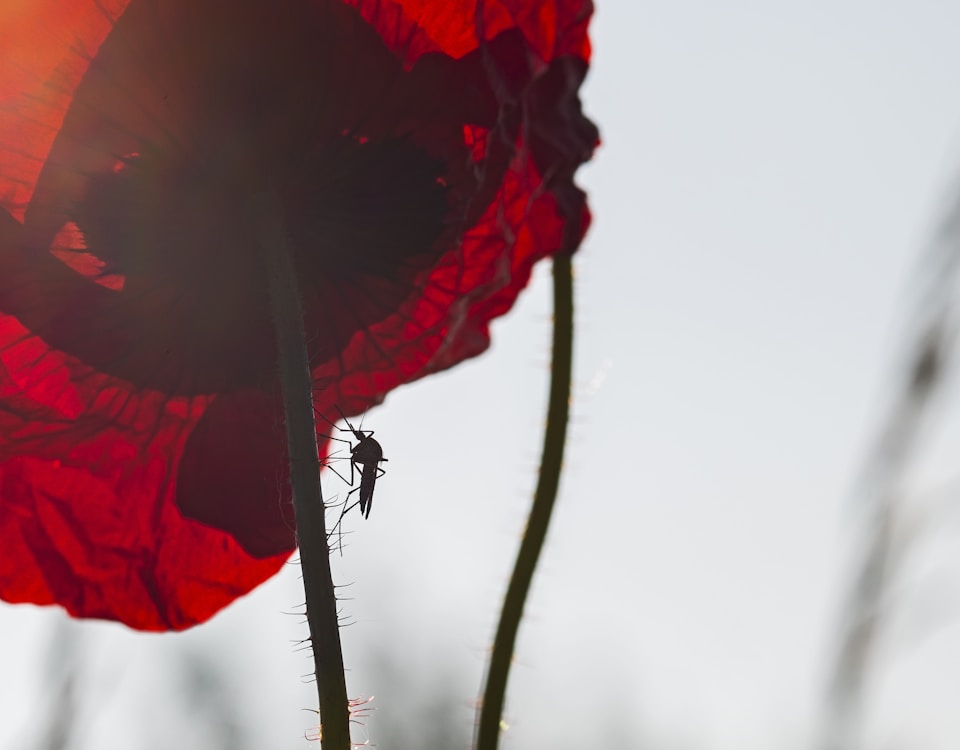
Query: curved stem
[(297, 386), (491, 708)]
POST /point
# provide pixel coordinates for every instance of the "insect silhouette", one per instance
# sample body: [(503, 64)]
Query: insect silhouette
[(365, 459)]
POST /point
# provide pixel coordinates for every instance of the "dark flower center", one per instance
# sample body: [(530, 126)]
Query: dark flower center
[(171, 136), (361, 219)]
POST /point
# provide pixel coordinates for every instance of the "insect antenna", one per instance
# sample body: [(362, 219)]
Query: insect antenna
[(358, 434)]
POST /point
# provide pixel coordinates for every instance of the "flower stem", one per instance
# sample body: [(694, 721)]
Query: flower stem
[(297, 387), (558, 410)]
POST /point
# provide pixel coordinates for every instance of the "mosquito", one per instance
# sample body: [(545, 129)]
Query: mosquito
[(365, 459)]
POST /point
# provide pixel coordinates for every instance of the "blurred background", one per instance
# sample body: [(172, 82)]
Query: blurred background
[(757, 542)]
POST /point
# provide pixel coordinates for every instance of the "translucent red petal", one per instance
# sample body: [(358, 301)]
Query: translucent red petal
[(424, 155)]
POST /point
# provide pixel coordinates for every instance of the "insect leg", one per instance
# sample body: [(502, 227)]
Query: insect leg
[(342, 477), (338, 526)]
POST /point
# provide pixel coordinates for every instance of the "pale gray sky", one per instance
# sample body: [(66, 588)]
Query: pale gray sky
[(769, 175)]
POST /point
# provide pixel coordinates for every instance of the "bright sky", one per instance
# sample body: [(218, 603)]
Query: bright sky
[(770, 173)]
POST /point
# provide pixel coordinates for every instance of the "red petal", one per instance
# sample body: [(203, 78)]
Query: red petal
[(47, 46), (142, 472), (414, 27)]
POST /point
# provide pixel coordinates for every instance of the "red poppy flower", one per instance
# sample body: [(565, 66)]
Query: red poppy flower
[(423, 152)]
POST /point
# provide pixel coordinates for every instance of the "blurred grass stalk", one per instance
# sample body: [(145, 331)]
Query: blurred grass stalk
[(880, 496)]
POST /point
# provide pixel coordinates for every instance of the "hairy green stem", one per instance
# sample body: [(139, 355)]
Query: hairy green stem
[(297, 386), (558, 410)]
